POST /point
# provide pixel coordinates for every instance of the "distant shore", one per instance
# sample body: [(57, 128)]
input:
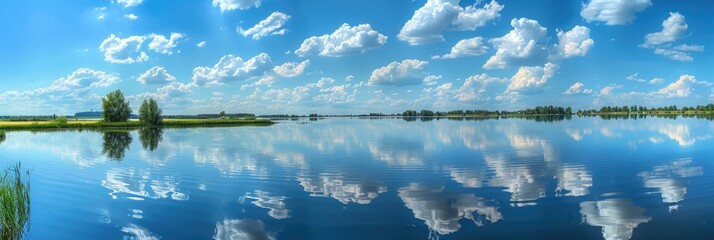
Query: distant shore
[(96, 124)]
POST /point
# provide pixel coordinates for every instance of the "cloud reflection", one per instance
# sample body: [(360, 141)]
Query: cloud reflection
[(617, 217), (262, 199), (139, 185), (345, 192), (243, 229), (668, 179), (442, 211), (138, 233)]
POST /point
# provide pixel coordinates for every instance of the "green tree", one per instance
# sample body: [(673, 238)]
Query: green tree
[(222, 114), (116, 108), (149, 112)]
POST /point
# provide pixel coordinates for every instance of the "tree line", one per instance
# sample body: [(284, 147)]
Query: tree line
[(539, 110), (644, 109)]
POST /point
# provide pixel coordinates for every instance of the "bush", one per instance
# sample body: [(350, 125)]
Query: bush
[(60, 120), (149, 112), (116, 108)]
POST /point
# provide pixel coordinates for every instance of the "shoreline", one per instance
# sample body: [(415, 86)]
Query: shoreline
[(167, 123)]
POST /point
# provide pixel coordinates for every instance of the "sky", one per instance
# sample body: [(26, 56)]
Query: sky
[(353, 57)]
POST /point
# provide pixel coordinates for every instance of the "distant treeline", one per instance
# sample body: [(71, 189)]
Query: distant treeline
[(709, 108), (540, 110)]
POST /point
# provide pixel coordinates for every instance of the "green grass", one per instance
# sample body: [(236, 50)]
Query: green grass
[(14, 203), (168, 123)]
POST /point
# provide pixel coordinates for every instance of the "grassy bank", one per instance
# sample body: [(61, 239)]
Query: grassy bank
[(168, 123)]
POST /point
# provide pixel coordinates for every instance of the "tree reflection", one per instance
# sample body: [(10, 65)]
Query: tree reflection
[(116, 144), (150, 138)]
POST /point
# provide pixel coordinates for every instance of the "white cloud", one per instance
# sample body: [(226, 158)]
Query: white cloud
[(160, 44), (474, 87), (201, 44), (531, 79), (231, 68), (129, 49), (578, 88), (431, 79), (429, 21), (607, 90), (683, 87), (131, 16), (229, 5), (346, 40), (156, 75), (674, 28), (272, 25), (123, 50), (73, 92), (291, 69), (613, 12), (129, 3), (522, 44), (576, 42), (465, 48), (634, 77), (406, 72)]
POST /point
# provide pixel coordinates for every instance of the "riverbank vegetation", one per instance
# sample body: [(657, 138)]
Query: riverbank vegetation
[(628, 110), (14, 203)]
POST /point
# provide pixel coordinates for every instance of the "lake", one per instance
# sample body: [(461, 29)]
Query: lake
[(579, 178)]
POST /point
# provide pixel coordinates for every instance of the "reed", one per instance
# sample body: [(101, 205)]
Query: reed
[(14, 203)]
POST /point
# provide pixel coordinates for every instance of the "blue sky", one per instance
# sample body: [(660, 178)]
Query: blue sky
[(299, 57)]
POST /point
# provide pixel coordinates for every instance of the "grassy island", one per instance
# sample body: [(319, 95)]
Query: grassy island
[(97, 124)]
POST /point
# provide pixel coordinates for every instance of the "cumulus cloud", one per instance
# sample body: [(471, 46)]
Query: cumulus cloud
[(576, 42), (201, 44), (130, 49), (531, 79), (123, 50), (74, 91), (607, 90), (674, 28), (683, 87), (291, 69), (230, 5), (129, 3), (429, 21), (156, 75), (272, 25), (578, 88), (465, 48), (160, 44), (406, 72), (613, 12), (231, 68), (131, 16), (475, 86), (346, 40), (520, 45)]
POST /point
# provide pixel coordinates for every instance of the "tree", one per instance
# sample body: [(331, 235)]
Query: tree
[(222, 114), (149, 112), (116, 108)]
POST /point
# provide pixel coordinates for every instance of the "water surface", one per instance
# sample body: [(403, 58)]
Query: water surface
[(585, 178)]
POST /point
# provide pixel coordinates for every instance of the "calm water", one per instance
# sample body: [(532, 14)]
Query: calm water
[(584, 178)]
